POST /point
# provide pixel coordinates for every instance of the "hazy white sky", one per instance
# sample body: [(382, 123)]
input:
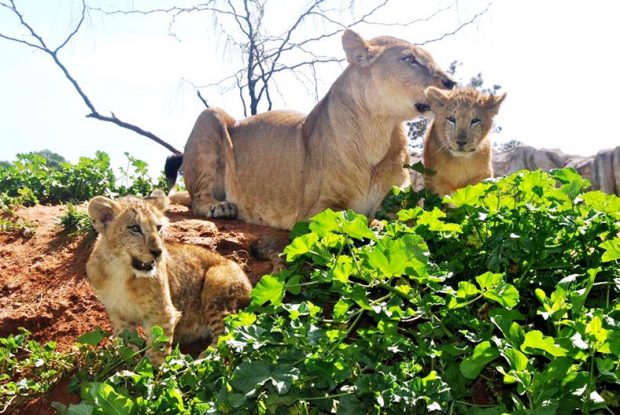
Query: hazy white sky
[(557, 59)]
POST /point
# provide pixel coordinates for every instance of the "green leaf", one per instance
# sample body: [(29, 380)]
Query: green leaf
[(249, 376), (518, 361), (340, 309), (612, 250), (92, 338), (110, 401), (432, 220), (300, 246), (469, 195), (495, 288), (326, 222), (536, 340), (356, 226), (269, 288), (484, 354), (81, 408)]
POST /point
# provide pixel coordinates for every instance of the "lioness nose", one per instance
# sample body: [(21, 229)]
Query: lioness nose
[(156, 252), (448, 83)]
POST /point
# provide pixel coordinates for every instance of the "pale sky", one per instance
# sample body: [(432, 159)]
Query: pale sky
[(556, 59)]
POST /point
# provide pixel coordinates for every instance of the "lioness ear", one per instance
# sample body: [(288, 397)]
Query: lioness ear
[(102, 211), (435, 96), (158, 199), (358, 51), (493, 103)]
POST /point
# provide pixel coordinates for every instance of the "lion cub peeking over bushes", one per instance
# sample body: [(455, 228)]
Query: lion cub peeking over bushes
[(185, 289), (457, 147)]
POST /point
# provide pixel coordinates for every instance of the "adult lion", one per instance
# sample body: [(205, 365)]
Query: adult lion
[(280, 167)]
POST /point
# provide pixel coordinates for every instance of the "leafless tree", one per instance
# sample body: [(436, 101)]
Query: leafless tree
[(265, 56), (296, 50), (34, 40)]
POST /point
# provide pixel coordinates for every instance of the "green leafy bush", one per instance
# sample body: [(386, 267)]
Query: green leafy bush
[(506, 301), (33, 179)]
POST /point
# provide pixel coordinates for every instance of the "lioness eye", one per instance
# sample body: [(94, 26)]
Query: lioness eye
[(135, 228), (451, 120), (410, 59), (475, 121), (158, 228)]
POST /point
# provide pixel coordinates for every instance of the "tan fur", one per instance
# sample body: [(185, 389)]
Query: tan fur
[(189, 290), (457, 148), (280, 167)]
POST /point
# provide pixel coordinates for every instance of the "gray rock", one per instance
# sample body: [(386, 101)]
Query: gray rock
[(603, 169)]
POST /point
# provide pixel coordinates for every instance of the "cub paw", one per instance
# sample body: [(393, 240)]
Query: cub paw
[(223, 210)]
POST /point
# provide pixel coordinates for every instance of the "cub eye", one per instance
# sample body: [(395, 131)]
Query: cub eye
[(410, 59), (475, 121), (451, 120), (158, 227), (135, 229)]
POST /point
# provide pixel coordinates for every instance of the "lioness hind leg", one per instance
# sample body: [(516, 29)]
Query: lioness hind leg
[(205, 165)]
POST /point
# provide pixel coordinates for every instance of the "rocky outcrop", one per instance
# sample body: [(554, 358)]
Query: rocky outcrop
[(603, 169)]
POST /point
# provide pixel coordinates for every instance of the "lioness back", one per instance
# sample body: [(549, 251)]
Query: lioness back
[(144, 281)]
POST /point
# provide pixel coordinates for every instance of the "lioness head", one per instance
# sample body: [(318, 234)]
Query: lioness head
[(396, 73), (463, 117), (132, 229)]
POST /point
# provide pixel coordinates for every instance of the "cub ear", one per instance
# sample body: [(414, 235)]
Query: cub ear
[(358, 52), (102, 211), (493, 103), (158, 199), (436, 96)]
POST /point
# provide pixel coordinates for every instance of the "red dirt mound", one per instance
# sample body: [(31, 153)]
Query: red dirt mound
[(43, 283)]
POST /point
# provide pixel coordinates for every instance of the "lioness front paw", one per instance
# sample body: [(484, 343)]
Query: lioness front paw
[(223, 210)]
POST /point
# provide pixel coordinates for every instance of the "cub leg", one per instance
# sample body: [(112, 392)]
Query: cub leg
[(207, 157), (167, 320), (226, 290)]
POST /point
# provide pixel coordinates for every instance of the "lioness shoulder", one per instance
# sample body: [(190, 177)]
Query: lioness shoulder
[(144, 281)]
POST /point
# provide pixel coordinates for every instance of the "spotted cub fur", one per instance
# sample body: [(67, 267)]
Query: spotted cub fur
[(144, 281)]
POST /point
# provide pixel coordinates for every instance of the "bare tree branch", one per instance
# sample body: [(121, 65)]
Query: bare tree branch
[(458, 29), (204, 101), (53, 53)]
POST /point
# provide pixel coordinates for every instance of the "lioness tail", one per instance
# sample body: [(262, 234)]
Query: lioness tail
[(171, 169)]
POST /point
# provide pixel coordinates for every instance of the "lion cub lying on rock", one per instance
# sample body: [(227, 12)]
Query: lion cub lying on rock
[(457, 147), (185, 289)]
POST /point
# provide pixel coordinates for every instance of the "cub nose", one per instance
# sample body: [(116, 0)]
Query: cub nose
[(461, 141), (448, 83), (156, 252)]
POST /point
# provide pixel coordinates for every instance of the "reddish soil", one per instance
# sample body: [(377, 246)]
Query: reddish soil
[(43, 284)]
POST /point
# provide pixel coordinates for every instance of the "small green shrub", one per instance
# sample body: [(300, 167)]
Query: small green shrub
[(11, 223), (28, 369), (75, 222)]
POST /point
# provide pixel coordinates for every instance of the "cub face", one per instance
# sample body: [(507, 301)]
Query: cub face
[(463, 117), (398, 72), (132, 228)]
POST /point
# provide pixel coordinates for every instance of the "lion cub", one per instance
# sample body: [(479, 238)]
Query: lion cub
[(457, 147), (185, 289)]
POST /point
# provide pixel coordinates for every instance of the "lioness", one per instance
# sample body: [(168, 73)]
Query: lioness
[(457, 147), (280, 167), (185, 289)]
